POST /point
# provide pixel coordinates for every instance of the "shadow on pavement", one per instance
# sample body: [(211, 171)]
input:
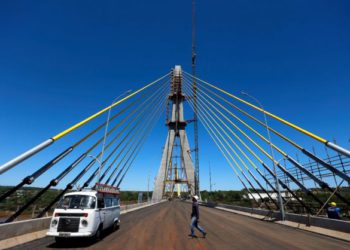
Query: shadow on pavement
[(81, 242)]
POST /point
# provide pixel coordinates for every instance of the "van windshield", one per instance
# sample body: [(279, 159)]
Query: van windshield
[(77, 202)]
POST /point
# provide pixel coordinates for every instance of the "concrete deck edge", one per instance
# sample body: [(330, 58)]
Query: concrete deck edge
[(313, 229), (137, 208)]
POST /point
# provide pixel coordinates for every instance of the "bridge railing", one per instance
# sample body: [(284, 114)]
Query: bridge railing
[(323, 222)]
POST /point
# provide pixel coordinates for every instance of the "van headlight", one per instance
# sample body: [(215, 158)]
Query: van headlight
[(54, 223), (84, 223)]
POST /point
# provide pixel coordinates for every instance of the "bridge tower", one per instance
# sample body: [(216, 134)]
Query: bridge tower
[(176, 167)]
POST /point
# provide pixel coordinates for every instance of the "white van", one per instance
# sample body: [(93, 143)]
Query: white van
[(86, 213)]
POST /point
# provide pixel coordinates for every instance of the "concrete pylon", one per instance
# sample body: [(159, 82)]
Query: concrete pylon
[(177, 136)]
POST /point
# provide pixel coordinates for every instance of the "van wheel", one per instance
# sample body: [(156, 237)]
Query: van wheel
[(98, 234), (115, 226)]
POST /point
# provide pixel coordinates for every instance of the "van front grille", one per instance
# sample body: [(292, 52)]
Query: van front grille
[(68, 225)]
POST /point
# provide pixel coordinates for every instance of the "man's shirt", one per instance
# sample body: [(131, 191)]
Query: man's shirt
[(333, 212), (195, 210)]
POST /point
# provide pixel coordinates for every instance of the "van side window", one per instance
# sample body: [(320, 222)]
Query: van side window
[(100, 203), (108, 202), (115, 201)]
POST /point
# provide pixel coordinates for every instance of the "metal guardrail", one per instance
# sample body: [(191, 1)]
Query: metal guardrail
[(340, 162)]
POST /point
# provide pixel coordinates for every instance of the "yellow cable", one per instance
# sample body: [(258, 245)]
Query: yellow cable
[(251, 117), (128, 116), (224, 148), (230, 155), (234, 151), (67, 131), (228, 161), (246, 125), (210, 133), (242, 132), (316, 137), (227, 127), (158, 96)]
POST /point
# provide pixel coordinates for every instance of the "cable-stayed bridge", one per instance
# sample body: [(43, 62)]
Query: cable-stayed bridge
[(280, 176)]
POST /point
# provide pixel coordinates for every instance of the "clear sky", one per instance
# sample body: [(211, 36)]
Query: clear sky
[(61, 61)]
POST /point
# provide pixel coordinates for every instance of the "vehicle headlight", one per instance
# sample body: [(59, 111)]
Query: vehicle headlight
[(84, 223), (54, 223)]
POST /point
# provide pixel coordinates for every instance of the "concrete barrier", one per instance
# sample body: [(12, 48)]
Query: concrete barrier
[(18, 228), (338, 225), (131, 206)]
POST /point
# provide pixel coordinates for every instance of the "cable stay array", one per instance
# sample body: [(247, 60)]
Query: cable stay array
[(327, 143), (131, 126), (221, 145), (217, 114), (293, 161), (95, 158)]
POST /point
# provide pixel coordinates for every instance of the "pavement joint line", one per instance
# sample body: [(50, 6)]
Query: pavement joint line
[(25, 238), (313, 229)]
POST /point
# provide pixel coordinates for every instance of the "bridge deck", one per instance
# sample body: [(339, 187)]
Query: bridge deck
[(166, 226)]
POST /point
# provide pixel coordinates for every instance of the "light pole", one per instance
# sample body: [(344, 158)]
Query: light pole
[(210, 185), (272, 155), (98, 161), (213, 186), (149, 175), (106, 130)]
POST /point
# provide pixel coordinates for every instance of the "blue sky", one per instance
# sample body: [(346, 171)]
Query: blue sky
[(61, 61)]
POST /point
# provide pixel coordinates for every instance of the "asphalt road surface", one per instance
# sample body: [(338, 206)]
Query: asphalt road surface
[(166, 226)]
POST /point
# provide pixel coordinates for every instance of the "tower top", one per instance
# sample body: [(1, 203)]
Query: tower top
[(176, 84), (177, 70)]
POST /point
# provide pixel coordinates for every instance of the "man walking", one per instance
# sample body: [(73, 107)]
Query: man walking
[(195, 218)]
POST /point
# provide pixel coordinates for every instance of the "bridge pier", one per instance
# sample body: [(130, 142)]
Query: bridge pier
[(170, 173)]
